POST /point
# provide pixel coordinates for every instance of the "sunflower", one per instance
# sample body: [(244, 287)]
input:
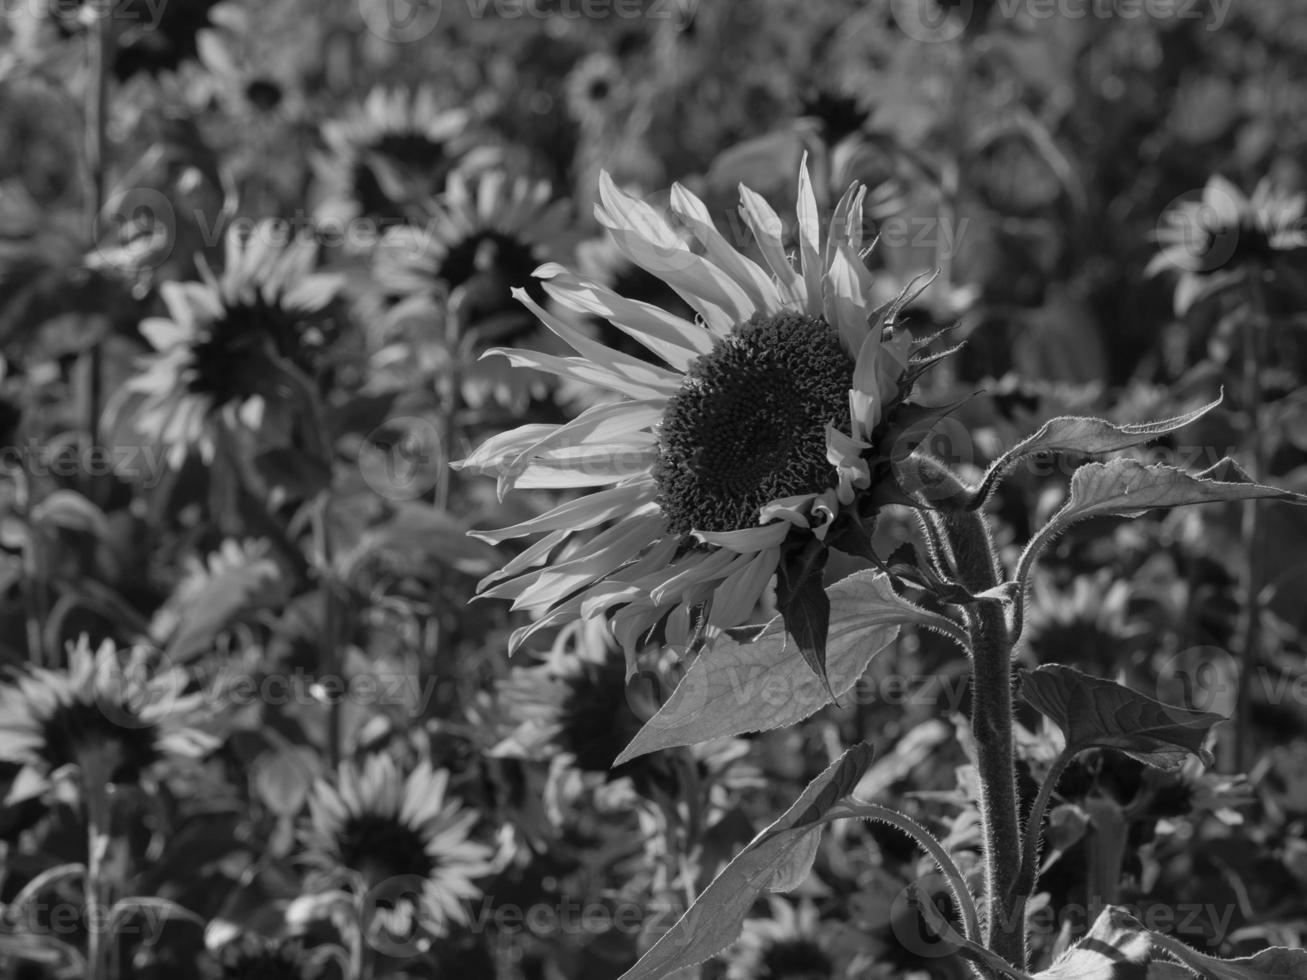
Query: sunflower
[(764, 440), (596, 90), (786, 946), (576, 703), (374, 829), (1087, 626), (1212, 241), (110, 717), (395, 149), (482, 237), (230, 345), (151, 38)]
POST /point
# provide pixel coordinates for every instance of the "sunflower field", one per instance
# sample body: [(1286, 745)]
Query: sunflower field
[(698, 489)]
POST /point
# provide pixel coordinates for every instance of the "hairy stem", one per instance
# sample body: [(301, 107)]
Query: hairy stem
[(1029, 872), (901, 822), (971, 552)]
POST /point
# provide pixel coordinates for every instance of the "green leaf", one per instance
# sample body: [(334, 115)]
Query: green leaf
[(1096, 712), (1275, 963), (1084, 436), (284, 776), (773, 857), (1128, 488), (749, 687), (228, 584)]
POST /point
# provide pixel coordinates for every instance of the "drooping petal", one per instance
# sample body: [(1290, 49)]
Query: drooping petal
[(587, 511), (676, 341), (746, 540), (737, 597)]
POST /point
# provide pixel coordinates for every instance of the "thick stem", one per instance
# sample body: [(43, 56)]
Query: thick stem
[(967, 535)]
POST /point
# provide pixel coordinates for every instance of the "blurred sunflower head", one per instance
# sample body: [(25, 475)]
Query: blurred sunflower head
[(482, 238), (762, 438), (1086, 625), (1213, 240), (108, 718), (399, 840), (232, 347), (596, 89), (786, 946), (575, 703), (151, 38), (394, 150)]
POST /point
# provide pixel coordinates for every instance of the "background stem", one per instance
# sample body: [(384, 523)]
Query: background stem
[(1029, 873), (100, 57), (1252, 328)]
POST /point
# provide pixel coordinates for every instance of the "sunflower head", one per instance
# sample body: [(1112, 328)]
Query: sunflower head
[(762, 435), (596, 89), (483, 237), (109, 717), (223, 354), (151, 38), (394, 150), (574, 703), (396, 839), (1215, 238), (1086, 625), (787, 946)]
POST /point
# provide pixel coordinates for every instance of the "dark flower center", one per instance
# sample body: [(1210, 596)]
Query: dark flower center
[(230, 361), (382, 847), (264, 94), (748, 425), (795, 959), (487, 266), (91, 735), (420, 163)]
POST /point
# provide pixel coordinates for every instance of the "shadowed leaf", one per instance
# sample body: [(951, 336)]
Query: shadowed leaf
[(749, 687), (1096, 712), (779, 855)]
